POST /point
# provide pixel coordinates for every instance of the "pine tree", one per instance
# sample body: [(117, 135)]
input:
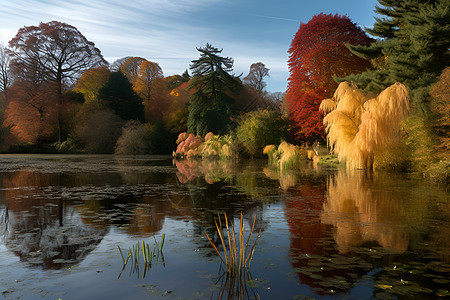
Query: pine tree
[(413, 47), (211, 106)]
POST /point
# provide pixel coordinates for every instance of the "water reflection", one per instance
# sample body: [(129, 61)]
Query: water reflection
[(338, 228), (346, 224), (211, 170), (40, 231), (365, 208), (55, 219)]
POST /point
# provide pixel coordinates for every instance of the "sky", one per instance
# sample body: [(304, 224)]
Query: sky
[(168, 31)]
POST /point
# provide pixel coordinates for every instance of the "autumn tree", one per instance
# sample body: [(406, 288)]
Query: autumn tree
[(130, 68), (57, 52), (211, 105), (318, 54), (440, 106), (5, 83), (158, 109), (177, 80), (98, 129), (91, 82), (178, 109), (362, 127), (5, 72), (152, 89), (118, 94), (31, 112), (255, 77), (148, 72), (115, 65)]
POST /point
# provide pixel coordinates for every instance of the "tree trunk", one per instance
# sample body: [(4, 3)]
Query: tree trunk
[(59, 106)]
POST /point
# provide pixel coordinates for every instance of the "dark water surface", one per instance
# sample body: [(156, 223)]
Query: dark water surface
[(324, 233)]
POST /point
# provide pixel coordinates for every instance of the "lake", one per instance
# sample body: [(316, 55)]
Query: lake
[(323, 233)]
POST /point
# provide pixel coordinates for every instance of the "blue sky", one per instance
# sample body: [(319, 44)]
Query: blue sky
[(168, 31)]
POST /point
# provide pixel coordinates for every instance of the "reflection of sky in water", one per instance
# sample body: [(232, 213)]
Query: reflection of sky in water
[(348, 224)]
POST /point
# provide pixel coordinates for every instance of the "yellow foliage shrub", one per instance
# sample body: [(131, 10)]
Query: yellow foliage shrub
[(362, 127)]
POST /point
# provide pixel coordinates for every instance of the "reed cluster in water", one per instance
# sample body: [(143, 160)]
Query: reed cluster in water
[(238, 256), (135, 252)]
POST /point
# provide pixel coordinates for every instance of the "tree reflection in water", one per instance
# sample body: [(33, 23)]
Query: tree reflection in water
[(362, 209), (43, 232), (343, 227)]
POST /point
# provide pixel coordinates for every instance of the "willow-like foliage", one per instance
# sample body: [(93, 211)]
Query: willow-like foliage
[(361, 126)]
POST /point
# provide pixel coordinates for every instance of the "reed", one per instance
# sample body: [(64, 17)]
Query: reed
[(142, 248), (238, 256), (236, 287)]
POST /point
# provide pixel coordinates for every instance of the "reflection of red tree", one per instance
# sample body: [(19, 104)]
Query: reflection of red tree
[(303, 217)]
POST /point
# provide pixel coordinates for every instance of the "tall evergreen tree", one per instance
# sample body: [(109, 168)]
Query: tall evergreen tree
[(211, 106), (413, 47), (119, 95)]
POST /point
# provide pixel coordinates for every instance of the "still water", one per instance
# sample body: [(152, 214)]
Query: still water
[(324, 233)]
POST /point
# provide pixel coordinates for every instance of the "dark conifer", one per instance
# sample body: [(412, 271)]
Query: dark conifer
[(211, 106), (413, 47), (119, 95)]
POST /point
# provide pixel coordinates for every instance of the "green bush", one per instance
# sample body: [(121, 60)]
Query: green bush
[(260, 128)]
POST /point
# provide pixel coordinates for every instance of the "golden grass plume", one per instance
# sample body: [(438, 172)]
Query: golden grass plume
[(360, 126)]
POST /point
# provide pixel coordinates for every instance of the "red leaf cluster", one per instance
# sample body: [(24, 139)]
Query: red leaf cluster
[(317, 55)]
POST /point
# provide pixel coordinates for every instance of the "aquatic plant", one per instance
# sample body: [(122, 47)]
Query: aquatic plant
[(237, 287), (238, 256), (361, 126), (135, 252)]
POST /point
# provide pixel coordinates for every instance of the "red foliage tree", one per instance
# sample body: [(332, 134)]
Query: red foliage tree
[(31, 112), (317, 55), (53, 52)]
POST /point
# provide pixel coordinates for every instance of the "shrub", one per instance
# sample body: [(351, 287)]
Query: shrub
[(216, 146), (188, 144), (98, 130), (135, 139), (361, 127), (213, 146), (260, 128), (286, 155)]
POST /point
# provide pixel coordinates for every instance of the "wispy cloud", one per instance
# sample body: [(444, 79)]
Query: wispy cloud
[(165, 31), (274, 18)]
